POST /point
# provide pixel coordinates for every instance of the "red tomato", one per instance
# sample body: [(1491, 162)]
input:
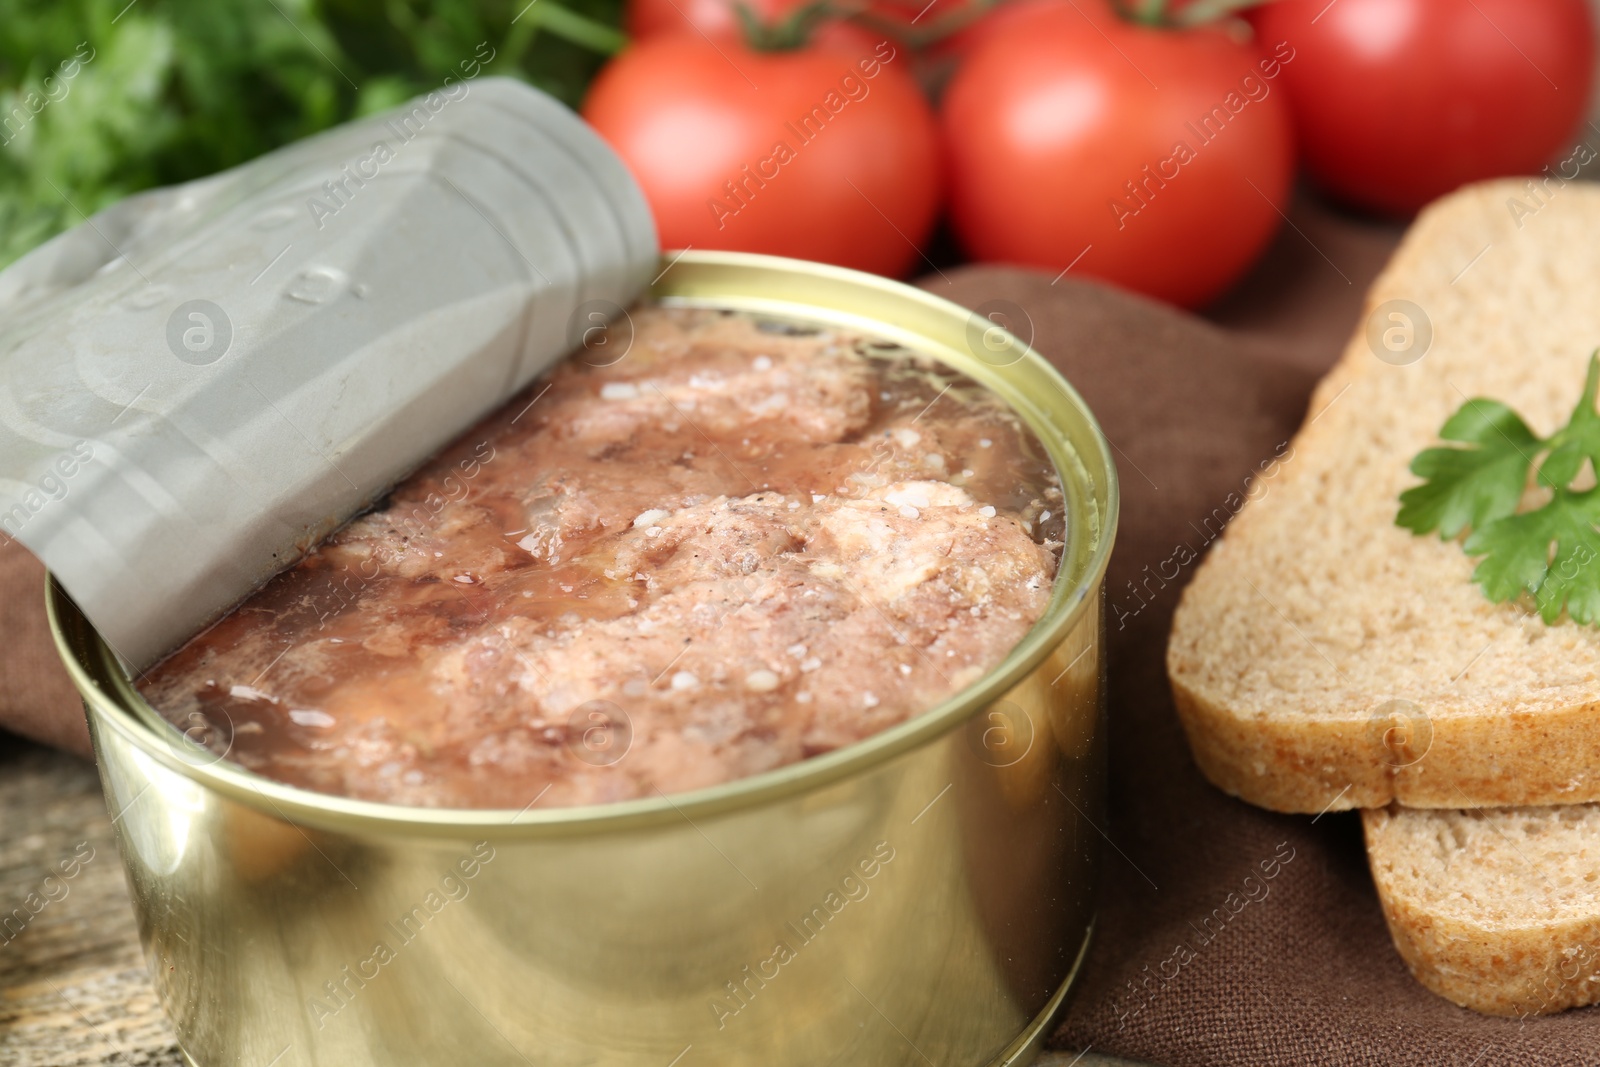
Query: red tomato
[(971, 37), (1063, 152), (833, 158), (649, 18), (716, 18), (1400, 101)]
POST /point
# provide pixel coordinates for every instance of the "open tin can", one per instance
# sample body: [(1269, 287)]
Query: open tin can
[(923, 896)]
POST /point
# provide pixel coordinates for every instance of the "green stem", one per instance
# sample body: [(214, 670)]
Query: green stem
[(1151, 12), (1203, 11), (786, 34), (518, 38), (932, 32), (579, 29)]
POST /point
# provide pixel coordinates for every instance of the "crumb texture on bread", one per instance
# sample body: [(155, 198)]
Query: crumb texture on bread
[(1324, 657), (1496, 909)]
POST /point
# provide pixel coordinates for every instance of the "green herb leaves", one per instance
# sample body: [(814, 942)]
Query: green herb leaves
[(101, 100), (1475, 485), (1551, 552)]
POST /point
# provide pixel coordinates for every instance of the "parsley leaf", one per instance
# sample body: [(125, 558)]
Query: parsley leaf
[(1474, 485), (1550, 552), (1578, 440), (1517, 557)]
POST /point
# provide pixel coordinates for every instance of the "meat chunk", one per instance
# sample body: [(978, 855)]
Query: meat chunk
[(730, 550)]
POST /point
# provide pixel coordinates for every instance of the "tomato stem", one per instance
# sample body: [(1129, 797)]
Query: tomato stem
[(785, 34), (1151, 13), (934, 31), (1157, 12), (1203, 11)]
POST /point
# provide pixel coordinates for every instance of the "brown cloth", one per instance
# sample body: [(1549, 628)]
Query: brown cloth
[(36, 698), (1302, 975)]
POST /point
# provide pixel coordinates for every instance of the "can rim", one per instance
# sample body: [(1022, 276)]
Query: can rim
[(115, 703)]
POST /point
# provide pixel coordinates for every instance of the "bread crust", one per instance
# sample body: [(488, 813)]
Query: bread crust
[(1313, 613), (1495, 965), (1315, 765)]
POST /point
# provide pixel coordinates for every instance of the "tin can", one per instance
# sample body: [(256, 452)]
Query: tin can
[(921, 897)]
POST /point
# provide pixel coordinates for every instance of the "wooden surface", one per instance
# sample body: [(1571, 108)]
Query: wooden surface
[(73, 987)]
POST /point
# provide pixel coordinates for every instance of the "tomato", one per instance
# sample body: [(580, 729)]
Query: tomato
[(833, 158), (972, 36), (1400, 101), (717, 18), (650, 18), (1062, 152)]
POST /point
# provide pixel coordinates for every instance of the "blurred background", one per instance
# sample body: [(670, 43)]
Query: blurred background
[(101, 99), (1162, 147)]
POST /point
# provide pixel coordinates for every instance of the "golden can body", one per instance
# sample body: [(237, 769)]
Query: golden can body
[(924, 896)]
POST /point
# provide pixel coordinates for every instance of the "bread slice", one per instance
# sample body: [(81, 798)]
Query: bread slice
[(1323, 657), (1496, 909)]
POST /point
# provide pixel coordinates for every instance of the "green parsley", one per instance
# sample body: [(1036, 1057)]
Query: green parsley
[(103, 98), (1550, 552)]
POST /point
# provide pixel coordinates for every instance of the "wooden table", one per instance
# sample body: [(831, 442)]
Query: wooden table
[(73, 986)]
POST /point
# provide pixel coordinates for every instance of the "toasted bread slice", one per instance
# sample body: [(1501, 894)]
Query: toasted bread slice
[(1496, 909), (1323, 657)]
